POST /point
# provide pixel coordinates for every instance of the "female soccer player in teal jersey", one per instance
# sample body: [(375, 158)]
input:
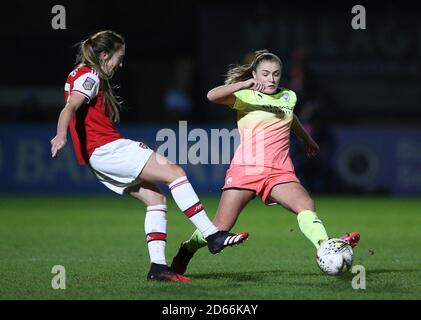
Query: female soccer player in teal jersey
[(266, 117)]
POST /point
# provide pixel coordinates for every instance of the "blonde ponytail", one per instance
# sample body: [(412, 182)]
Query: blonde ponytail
[(237, 73)]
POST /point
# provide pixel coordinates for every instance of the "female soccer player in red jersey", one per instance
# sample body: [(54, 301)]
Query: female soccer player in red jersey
[(261, 164), (123, 165)]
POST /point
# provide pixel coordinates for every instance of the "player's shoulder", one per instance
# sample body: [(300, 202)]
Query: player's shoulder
[(84, 71)]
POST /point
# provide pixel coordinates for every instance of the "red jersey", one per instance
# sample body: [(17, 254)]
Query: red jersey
[(91, 125)]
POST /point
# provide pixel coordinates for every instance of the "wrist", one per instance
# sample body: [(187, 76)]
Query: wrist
[(62, 135), (242, 85)]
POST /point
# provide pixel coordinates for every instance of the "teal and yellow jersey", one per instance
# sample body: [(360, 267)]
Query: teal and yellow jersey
[(264, 123)]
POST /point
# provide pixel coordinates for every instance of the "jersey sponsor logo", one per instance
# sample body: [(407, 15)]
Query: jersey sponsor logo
[(88, 84), (229, 180), (274, 109)]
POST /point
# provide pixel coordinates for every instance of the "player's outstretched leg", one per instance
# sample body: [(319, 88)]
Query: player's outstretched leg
[(231, 203), (187, 200), (294, 197), (160, 169), (312, 227), (215, 242)]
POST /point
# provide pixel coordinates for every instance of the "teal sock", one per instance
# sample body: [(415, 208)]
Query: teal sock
[(312, 227)]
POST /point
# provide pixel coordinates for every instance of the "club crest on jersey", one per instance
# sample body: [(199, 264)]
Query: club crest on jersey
[(286, 96), (88, 84)]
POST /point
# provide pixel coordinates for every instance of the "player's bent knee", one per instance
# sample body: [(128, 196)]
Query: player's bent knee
[(159, 200), (155, 200), (147, 196), (177, 172), (302, 205)]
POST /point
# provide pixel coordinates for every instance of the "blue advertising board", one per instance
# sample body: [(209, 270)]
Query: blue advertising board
[(26, 165), (369, 159), (382, 159)]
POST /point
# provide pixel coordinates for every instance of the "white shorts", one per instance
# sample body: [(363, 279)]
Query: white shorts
[(118, 164)]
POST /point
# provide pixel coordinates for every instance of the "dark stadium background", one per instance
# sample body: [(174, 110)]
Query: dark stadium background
[(358, 90)]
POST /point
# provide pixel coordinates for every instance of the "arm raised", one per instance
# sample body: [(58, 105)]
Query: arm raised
[(225, 94)]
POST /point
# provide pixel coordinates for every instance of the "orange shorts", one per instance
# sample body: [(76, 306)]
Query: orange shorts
[(258, 179)]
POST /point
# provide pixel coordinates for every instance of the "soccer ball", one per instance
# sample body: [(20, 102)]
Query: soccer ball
[(335, 256)]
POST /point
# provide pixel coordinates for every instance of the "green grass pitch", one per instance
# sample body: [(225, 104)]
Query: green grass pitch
[(100, 242)]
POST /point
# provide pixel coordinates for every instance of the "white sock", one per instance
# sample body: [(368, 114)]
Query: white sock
[(188, 202), (156, 232)]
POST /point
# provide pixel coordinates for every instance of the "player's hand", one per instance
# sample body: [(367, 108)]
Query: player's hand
[(254, 85), (57, 143), (311, 148)]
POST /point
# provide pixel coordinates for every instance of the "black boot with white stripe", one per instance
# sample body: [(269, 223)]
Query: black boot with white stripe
[(221, 239)]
